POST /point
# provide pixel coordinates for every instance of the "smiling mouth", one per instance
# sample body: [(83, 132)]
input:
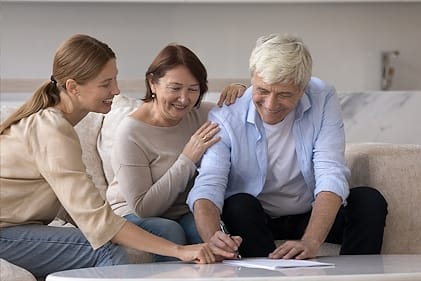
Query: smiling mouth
[(108, 101), (180, 107), (272, 111)]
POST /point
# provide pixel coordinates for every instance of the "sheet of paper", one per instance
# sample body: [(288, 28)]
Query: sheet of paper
[(274, 264)]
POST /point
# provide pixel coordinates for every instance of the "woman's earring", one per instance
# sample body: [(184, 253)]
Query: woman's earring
[(153, 96)]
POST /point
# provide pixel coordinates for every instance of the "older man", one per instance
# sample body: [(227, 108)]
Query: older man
[(279, 170)]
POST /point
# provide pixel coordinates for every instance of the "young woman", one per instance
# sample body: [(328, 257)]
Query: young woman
[(41, 170)]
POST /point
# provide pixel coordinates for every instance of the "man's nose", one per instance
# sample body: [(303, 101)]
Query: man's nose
[(271, 101)]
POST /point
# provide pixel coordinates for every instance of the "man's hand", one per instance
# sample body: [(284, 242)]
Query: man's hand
[(225, 242), (207, 218), (202, 253), (323, 215), (298, 249)]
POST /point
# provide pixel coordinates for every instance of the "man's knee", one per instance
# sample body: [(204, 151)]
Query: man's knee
[(368, 201), (240, 204)]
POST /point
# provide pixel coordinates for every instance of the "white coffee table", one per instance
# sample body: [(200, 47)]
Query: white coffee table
[(362, 267)]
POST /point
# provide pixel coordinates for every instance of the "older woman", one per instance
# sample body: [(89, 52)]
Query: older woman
[(158, 147)]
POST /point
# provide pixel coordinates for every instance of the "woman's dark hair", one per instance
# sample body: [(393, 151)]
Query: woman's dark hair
[(171, 56)]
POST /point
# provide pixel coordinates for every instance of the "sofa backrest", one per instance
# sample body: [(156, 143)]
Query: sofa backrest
[(395, 170)]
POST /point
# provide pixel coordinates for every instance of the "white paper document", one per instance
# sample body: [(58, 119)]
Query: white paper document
[(274, 264)]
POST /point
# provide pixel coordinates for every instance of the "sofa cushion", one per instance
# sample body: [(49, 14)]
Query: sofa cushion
[(121, 107), (11, 272), (88, 131), (395, 170)]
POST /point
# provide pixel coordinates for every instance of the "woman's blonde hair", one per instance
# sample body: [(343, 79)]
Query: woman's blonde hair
[(281, 58), (81, 58)]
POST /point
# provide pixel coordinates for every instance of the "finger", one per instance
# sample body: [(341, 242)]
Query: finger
[(234, 96), (278, 253), (237, 239), (230, 242), (199, 132), (204, 254), (201, 258), (224, 241), (217, 241), (222, 98), (228, 97), (292, 253), (303, 255), (223, 253), (211, 142), (212, 130), (211, 257)]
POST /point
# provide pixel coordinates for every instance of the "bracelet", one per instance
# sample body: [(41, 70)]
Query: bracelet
[(240, 84)]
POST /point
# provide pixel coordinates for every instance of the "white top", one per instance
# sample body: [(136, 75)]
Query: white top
[(285, 192)]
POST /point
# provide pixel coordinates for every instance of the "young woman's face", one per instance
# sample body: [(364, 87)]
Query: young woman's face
[(97, 95), (176, 94)]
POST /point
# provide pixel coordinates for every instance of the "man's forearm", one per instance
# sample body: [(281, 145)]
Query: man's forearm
[(206, 216), (323, 216)]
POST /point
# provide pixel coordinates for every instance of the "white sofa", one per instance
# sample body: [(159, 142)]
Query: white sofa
[(395, 169)]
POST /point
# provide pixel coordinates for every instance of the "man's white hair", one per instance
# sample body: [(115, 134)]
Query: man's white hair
[(281, 59)]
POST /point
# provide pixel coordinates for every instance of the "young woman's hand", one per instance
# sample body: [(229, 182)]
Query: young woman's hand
[(201, 140), (199, 253), (230, 93), (204, 253)]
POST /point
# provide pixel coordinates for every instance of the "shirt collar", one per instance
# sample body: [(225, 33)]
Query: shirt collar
[(303, 105)]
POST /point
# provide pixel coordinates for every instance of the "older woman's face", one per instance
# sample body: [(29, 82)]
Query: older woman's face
[(176, 94), (274, 101)]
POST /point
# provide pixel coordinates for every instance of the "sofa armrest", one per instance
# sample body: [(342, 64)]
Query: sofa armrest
[(395, 170)]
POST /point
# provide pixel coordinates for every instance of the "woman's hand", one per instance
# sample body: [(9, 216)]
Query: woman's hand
[(201, 140), (199, 253), (204, 253), (230, 93)]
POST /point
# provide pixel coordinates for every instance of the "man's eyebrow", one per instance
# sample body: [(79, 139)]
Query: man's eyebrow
[(262, 88)]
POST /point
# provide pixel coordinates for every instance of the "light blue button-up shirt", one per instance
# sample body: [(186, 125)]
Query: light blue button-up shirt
[(238, 162)]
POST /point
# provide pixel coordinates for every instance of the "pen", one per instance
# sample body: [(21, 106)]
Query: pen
[(224, 229)]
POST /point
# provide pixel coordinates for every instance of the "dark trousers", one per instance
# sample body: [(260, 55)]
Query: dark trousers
[(358, 226)]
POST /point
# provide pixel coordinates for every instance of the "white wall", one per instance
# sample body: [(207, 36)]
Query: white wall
[(346, 39)]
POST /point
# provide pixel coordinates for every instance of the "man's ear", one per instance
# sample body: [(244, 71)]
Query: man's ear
[(252, 78), (72, 87)]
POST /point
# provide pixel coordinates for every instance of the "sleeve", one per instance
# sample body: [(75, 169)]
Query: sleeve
[(212, 180), (57, 153), (331, 172), (133, 173)]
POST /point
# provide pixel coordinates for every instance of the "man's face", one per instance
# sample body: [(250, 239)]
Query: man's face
[(274, 101)]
